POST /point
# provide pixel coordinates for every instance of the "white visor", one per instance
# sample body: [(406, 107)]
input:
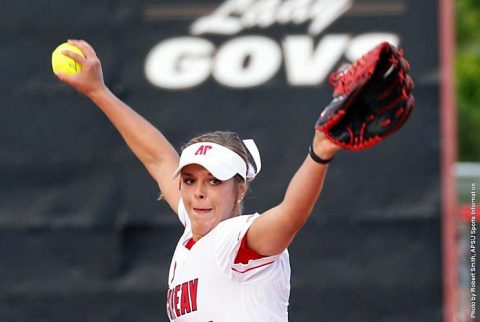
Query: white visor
[(220, 161)]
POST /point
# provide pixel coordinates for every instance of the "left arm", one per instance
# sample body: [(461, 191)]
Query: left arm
[(379, 85), (275, 229)]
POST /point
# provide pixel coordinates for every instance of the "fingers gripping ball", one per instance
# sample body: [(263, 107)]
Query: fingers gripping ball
[(65, 64)]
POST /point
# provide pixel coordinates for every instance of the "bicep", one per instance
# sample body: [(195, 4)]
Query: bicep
[(275, 229), (272, 232)]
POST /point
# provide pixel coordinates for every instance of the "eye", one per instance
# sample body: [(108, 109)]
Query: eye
[(188, 181), (215, 182)]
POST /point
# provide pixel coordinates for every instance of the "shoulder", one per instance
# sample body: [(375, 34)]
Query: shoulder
[(237, 222), (239, 219), (232, 230)]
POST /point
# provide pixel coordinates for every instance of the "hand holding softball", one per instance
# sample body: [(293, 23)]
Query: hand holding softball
[(89, 78)]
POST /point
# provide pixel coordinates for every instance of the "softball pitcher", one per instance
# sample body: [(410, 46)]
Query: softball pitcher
[(230, 267)]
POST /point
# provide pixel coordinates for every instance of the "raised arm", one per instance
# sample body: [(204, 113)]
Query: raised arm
[(275, 229), (372, 99), (147, 143)]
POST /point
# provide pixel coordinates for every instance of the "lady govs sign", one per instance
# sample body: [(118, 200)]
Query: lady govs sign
[(244, 60)]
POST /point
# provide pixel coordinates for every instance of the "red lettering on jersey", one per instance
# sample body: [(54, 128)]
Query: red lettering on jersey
[(182, 299), (202, 150), (185, 301), (170, 314), (175, 300), (193, 286), (172, 304)]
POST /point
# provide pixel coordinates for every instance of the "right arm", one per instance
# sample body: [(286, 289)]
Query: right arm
[(146, 142)]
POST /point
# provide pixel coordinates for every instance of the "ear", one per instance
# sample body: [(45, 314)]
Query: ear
[(242, 189)]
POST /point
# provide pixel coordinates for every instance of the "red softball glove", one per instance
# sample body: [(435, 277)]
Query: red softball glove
[(371, 99)]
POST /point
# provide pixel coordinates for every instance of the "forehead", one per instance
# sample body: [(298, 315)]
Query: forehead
[(195, 170)]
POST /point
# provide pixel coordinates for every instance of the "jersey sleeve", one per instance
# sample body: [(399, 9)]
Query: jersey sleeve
[(228, 240)]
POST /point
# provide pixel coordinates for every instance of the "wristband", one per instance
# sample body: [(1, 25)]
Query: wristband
[(316, 158)]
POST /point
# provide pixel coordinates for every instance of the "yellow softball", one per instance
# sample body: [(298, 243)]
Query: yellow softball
[(65, 64)]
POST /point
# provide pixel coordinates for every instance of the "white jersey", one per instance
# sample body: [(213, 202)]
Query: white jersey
[(206, 285)]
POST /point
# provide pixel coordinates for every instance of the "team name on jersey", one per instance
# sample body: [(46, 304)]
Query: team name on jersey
[(182, 299)]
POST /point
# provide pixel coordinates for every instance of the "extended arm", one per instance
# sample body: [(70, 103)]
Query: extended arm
[(275, 229), (147, 143), (371, 100)]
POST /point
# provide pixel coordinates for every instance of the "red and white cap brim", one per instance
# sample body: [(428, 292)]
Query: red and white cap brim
[(220, 161)]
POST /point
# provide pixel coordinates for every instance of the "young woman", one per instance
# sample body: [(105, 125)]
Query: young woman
[(226, 267)]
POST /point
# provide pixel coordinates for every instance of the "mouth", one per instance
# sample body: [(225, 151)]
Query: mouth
[(202, 211)]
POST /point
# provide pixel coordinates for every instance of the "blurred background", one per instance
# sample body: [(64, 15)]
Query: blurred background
[(82, 235)]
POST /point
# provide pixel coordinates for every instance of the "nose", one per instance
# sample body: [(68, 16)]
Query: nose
[(199, 192)]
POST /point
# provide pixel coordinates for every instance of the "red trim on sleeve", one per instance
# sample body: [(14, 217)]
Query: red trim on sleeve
[(245, 254), (249, 269)]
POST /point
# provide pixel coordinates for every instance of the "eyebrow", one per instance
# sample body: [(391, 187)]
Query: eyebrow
[(187, 174)]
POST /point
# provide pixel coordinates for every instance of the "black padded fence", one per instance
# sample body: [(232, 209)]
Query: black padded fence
[(82, 235)]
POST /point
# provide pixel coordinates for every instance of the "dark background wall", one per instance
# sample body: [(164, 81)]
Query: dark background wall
[(82, 236)]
